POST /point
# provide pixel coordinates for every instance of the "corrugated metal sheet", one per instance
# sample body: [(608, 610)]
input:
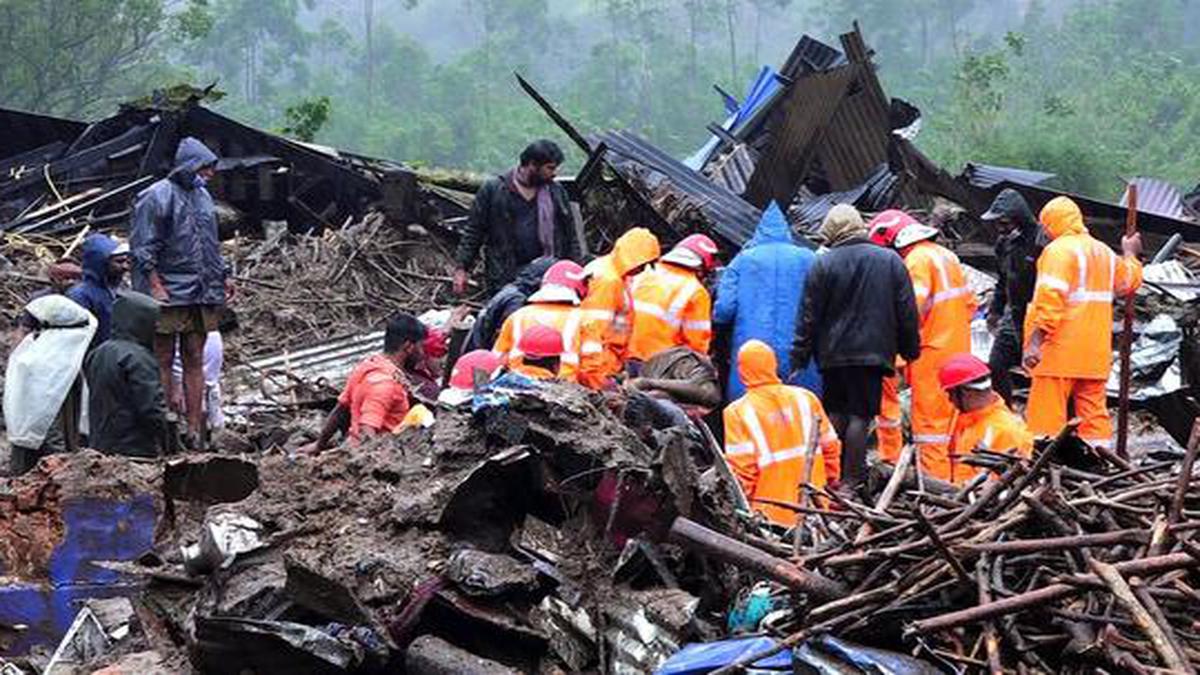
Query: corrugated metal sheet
[(873, 194), (1159, 197), (800, 121), (271, 378), (1172, 278), (734, 219), (733, 170), (986, 175), (1111, 217), (811, 55), (856, 139)]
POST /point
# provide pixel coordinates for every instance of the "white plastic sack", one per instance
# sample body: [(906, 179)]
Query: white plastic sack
[(43, 367)]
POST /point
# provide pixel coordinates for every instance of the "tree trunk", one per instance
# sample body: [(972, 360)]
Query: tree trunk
[(369, 20), (730, 14), (758, 20), (693, 28)]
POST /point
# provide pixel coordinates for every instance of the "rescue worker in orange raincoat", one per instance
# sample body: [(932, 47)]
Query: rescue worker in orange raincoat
[(984, 421), (1068, 326), (773, 431), (608, 307), (671, 306), (541, 350), (945, 305), (889, 423), (554, 304)]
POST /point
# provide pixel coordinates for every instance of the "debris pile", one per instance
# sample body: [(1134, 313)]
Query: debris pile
[(530, 533), (1067, 562), (295, 291)]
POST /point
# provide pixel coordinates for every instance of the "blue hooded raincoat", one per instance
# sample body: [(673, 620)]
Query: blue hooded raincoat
[(92, 292), (760, 292), (175, 233)]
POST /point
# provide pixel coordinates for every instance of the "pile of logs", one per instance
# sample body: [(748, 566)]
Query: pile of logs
[(1072, 561)]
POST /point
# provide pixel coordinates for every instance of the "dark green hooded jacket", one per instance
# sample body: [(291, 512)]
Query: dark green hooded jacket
[(126, 407)]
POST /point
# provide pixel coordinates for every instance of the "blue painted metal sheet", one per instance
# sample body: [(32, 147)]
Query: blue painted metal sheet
[(94, 530)]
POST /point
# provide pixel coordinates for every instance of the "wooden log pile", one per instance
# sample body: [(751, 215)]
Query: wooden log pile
[(1074, 561)]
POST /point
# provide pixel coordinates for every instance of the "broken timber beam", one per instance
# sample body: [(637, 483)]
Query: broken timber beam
[(701, 539)]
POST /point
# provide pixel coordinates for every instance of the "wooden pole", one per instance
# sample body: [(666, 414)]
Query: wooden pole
[(1126, 334)]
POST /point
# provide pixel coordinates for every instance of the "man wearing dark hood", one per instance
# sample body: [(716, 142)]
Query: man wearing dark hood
[(1017, 251), (105, 262), (126, 408), (508, 300), (177, 261), (518, 217)]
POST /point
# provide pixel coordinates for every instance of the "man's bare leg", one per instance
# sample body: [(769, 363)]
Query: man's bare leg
[(191, 349)]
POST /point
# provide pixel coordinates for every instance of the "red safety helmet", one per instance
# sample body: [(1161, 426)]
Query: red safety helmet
[(695, 251), (541, 342), (887, 224), (567, 274), (964, 369), (463, 375), (436, 342)]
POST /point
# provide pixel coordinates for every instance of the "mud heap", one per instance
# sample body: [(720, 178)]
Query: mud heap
[(529, 533)]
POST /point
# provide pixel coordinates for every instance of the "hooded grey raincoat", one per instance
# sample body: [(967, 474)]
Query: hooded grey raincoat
[(174, 233)]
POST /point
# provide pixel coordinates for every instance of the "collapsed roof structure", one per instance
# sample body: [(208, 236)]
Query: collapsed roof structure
[(819, 131), (59, 175)]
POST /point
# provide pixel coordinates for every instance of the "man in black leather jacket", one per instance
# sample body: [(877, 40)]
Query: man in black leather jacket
[(517, 217)]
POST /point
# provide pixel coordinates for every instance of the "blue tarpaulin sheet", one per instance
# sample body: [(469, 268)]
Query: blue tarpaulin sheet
[(761, 90), (705, 657)]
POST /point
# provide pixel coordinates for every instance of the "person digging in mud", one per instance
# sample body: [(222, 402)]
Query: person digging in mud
[(376, 397)]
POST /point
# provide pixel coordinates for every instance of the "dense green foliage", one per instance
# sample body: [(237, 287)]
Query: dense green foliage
[(1090, 89)]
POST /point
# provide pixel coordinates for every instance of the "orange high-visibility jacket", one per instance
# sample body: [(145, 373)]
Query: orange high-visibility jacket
[(994, 428), (608, 307), (944, 301), (562, 317), (1077, 278), (518, 365), (671, 308), (773, 431)]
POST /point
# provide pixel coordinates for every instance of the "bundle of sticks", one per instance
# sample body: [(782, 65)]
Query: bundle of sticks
[(294, 291), (1072, 561)]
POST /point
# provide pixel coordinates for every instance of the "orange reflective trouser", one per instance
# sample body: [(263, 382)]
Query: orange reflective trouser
[(889, 431), (1047, 409), (932, 413)]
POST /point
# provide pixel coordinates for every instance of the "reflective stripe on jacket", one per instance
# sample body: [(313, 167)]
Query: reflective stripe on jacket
[(671, 308), (1077, 280), (994, 428), (773, 431), (944, 301), (564, 318), (609, 304)]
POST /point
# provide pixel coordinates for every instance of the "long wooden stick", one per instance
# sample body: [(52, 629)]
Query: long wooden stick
[(1124, 595), (1175, 513), (1126, 334)]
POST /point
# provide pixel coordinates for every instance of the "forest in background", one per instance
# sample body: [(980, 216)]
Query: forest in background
[(1093, 90)]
